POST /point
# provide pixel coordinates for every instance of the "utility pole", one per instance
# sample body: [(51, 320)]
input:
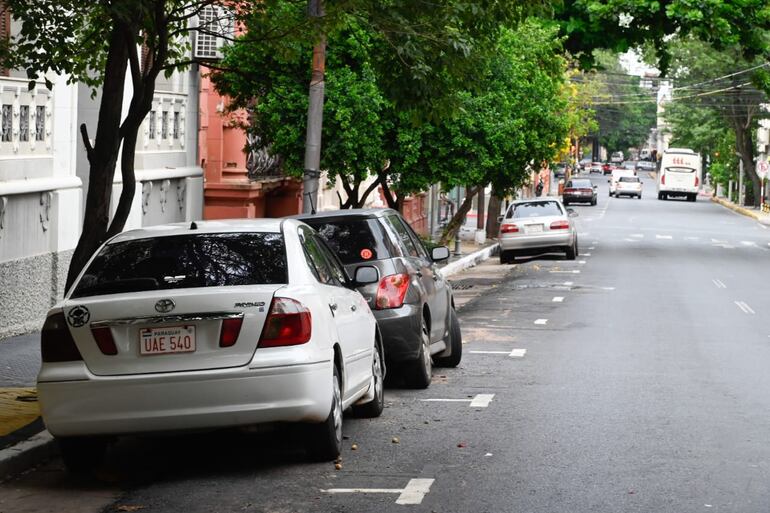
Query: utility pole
[(314, 116)]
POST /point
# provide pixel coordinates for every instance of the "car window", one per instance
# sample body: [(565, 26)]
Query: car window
[(580, 183), (186, 261), (405, 241), (334, 264), (354, 240), (536, 209), (680, 170), (316, 258), (629, 179), (421, 251)]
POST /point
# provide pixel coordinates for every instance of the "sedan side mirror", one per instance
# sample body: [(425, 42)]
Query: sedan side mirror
[(439, 253), (571, 212), (596, 186), (500, 219), (367, 274)]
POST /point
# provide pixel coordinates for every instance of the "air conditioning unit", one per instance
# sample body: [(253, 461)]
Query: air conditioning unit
[(216, 26)]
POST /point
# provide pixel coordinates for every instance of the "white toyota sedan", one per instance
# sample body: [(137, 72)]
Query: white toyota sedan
[(209, 325)]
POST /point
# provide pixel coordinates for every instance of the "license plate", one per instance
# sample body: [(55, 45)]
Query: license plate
[(533, 228), (167, 340)]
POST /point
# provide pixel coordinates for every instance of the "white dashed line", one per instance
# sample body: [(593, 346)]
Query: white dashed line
[(413, 493), (748, 243), (581, 261), (541, 322), (575, 271), (592, 247), (743, 306), (568, 283), (719, 284), (518, 353), (664, 237), (586, 254), (558, 299), (692, 238), (637, 235), (489, 352), (482, 400), (717, 241)]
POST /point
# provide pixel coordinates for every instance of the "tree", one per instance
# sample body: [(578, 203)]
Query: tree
[(718, 90), (98, 43)]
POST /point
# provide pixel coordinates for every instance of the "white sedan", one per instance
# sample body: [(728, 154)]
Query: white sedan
[(209, 325)]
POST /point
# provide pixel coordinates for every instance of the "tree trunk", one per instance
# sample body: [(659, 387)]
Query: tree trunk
[(493, 210), (480, 211), (102, 156), (745, 147), (453, 227)]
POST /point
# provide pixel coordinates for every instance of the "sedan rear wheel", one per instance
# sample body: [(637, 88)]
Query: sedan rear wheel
[(326, 438), (419, 371), (572, 251), (455, 342), (82, 453)]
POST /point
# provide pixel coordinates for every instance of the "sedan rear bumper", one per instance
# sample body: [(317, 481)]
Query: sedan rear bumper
[(400, 329), (562, 239), (190, 400)]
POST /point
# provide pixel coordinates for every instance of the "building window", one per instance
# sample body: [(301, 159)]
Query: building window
[(40, 123), (152, 124), (164, 125), (176, 125), (7, 127), (24, 123)]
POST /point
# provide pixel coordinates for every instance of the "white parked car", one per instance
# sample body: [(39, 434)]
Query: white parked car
[(209, 325), (534, 227)]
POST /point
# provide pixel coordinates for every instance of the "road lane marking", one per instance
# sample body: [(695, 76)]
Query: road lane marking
[(583, 234), (586, 254), (637, 235), (568, 283), (541, 321), (490, 352), (743, 306), (631, 240), (719, 284), (413, 493), (664, 237), (478, 401), (482, 400), (575, 271), (558, 299), (581, 261), (518, 353), (717, 241), (748, 243), (692, 238)]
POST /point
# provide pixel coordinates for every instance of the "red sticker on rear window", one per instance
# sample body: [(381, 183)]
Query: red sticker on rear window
[(366, 254)]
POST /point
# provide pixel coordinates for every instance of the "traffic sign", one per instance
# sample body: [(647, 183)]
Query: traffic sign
[(762, 169)]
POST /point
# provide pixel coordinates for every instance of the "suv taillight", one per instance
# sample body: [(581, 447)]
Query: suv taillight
[(663, 179), (509, 228), (56, 342), (560, 225), (288, 323), (391, 291), (697, 181)]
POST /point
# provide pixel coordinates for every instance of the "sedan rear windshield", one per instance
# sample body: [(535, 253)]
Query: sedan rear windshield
[(580, 184), (629, 179), (354, 240), (536, 209), (185, 261)]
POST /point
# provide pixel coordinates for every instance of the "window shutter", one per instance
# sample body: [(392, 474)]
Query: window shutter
[(5, 30)]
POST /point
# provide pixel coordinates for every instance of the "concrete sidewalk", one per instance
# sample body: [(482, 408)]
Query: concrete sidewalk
[(752, 212), (24, 442)]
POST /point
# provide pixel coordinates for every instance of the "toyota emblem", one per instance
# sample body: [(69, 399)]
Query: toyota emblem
[(164, 305)]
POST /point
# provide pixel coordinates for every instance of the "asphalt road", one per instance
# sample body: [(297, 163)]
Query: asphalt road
[(631, 380)]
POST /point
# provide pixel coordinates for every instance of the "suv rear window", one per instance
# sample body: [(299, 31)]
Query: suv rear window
[(537, 209), (354, 240), (186, 261), (629, 179)]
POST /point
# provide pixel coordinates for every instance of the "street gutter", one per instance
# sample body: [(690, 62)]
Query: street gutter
[(468, 261), (754, 214)]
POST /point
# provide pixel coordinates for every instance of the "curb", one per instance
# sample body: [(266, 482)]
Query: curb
[(765, 220), (468, 261), (24, 455)]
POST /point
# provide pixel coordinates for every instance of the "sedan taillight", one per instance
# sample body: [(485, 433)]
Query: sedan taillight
[(288, 323), (391, 291), (56, 342), (509, 228), (560, 225), (231, 328)]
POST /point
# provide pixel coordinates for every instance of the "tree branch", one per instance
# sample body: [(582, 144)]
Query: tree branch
[(86, 141)]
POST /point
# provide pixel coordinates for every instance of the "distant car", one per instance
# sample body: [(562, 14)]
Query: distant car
[(607, 168), (630, 165), (585, 164), (532, 227), (560, 170), (209, 325), (616, 175), (596, 167), (617, 157), (646, 165), (579, 190), (412, 301), (629, 186)]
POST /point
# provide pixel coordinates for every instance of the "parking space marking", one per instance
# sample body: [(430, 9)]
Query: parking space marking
[(744, 307), (568, 283), (558, 299), (477, 401), (581, 261), (664, 237), (586, 254), (748, 243), (482, 400), (719, 284), (574, 271), (541, 321), (518, 353), (489, 352), (413, 493)]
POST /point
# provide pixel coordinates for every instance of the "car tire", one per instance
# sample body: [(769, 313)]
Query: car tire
[(419, 371), (565, 203), (82, 454), (593, 203), (455, 342), (660, 195), (325, 439), (572, 251), (374, 408), (505, 257)]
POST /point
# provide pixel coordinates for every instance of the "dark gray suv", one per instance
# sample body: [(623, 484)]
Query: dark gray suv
[(412, 302)]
